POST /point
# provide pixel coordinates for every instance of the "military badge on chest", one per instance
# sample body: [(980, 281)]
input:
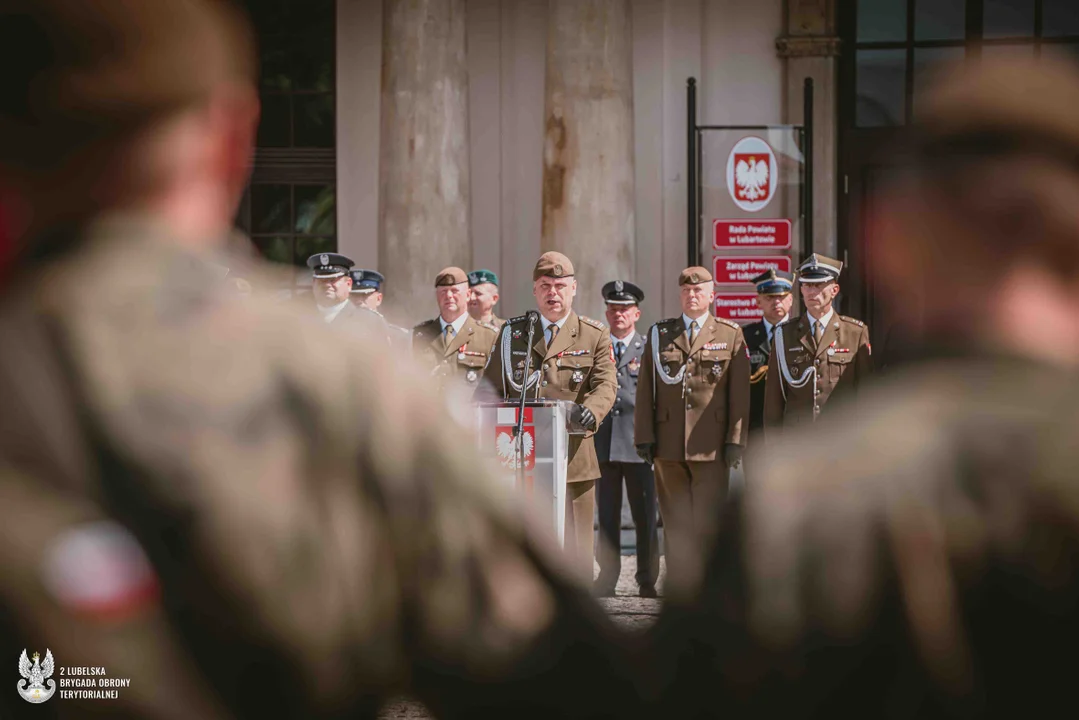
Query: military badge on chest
[(634, 367)]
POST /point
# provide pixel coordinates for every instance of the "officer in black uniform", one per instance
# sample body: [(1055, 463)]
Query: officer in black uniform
[(618, 459), (774, 299)]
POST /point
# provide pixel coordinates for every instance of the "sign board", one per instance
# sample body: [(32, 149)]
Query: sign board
[(729, 270), (752, 174), (751, 234), (739, 307)]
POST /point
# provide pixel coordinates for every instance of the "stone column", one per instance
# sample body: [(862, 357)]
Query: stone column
[(811, 49), (424, 179), (588, 144)]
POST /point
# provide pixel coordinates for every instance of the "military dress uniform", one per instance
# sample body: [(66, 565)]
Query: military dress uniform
[(365, 282), (806, 374), (692, 401), (577, 366), (758, 337), (619, 462), (448, 354), (343, 317)]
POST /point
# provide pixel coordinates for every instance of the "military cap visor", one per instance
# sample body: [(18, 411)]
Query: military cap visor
[(619, 292), (480, 277), (819, 269), (366, 281), (774, 282), (329, 265)]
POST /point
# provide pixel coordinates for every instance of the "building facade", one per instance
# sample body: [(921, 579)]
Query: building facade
[(410, 134)]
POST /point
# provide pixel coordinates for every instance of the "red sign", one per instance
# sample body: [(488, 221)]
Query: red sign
[(737, 270), (750, 234), (739, 307)]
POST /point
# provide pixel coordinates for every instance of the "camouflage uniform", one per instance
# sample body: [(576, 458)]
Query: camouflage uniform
[(322, 541)]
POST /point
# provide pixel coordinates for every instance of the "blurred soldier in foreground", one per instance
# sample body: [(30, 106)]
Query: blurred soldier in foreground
[(817, 356), (483, 296), (692, 414), (919, 559), (774, 299), (573, 361), (618, 459), (453, 345), (203, 498)]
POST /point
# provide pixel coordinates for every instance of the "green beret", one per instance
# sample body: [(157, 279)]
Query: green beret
[(479, 277)]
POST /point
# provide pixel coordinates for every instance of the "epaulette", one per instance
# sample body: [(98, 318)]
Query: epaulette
[(594, 323), (859, 323), (489, 326), (731, 323), (425, 323), (662, 324), (519, 318)]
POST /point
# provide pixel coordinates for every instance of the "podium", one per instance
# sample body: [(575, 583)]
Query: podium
[(546, 453)]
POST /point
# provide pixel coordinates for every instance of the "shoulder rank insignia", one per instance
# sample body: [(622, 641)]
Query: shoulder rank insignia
[(519, 318), (594, 323), (859, 323), (487, 325), (729, 323)]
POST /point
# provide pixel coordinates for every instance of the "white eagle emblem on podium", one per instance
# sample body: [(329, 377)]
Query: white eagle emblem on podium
[(35, 676), (507, 448)]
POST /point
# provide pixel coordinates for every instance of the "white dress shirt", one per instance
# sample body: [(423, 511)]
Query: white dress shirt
[(689, 321), (457, 324), (331, 313), (547, 323), (823, 321), (623, 342)]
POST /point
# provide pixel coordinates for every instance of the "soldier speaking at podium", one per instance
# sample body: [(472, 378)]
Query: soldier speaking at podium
[(692, 412), (816, 356), (575, 362), (774, 299)]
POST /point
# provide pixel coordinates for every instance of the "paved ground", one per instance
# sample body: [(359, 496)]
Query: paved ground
[(626, 609)]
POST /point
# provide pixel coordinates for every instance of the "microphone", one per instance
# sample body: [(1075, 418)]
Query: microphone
[(532, 316)]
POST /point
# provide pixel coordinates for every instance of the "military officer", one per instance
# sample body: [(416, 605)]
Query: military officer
[(483, 296), (453, 345), (367, 296), (692, 413), (332, 287), (574, 361), (618, 459), (774, 298), (818, 355), (208, 500)]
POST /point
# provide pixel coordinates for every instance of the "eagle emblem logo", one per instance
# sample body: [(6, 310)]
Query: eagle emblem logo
[(506, 447), (752, 177), (324, 259), (32, 688)]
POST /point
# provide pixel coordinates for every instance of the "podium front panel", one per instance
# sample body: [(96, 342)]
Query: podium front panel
[(545, 452)]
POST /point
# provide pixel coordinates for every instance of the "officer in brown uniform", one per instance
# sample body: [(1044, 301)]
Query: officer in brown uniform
[(774, 299), (453, 345), (818, 355), (198, 495), (692, 414), (575, 362)]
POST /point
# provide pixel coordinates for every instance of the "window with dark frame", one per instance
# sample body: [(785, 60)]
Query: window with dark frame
[(290, 207), (899, 42)]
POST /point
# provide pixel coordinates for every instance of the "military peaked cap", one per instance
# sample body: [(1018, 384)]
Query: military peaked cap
[(619, 292), (366, 281), (329, 265), (774, 282), (818, 269)]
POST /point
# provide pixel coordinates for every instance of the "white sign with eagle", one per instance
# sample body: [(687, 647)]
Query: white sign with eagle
[(752, 174)]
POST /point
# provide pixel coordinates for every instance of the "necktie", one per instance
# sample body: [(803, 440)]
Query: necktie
[(450, 332), (771, 335), (552, 331), (692, 332), (818, 332), (618, 349)]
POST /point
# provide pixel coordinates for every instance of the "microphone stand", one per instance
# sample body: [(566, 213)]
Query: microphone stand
[(518, 430)]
